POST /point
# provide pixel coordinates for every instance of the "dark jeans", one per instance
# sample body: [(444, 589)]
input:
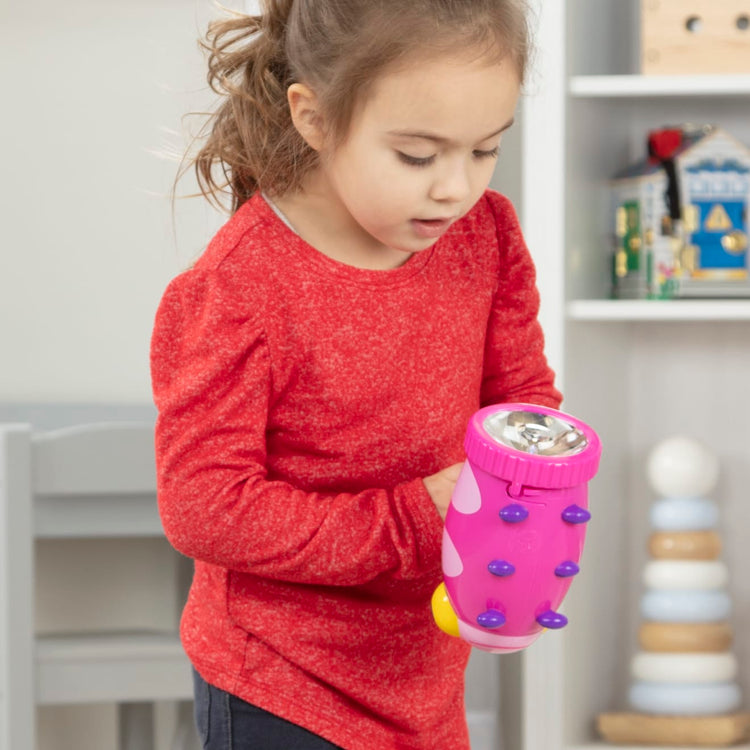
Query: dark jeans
[(225, 722)]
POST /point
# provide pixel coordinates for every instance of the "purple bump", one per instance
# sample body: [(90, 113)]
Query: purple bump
[(491, 619), (553, 620), (575, 514), (501, 568), (566, 569), (514, 513)]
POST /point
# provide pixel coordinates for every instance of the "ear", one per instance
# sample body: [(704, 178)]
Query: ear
[(306, 115)]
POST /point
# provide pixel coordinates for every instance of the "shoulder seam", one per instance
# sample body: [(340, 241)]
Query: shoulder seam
[(243, 230)]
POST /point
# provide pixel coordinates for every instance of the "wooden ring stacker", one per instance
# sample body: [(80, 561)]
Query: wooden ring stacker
[(685, 574), (688, 668), (684, 637), (685, 545)]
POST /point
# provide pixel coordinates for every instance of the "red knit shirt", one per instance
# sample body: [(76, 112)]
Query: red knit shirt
[(301, 401)]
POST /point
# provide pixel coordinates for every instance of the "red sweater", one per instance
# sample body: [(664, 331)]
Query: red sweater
[(300, 403)]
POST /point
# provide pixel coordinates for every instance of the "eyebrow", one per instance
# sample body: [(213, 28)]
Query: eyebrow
[(440, 139)]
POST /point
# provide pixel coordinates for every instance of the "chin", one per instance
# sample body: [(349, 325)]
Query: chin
[(406, 244), (424, 244)]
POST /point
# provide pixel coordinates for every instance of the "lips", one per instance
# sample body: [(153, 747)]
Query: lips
[(430, 228)]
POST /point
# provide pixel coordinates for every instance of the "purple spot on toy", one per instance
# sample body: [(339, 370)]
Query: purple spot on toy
[(501, 568), (575, 514), (491, 619), (552, 620), (566, 569), (514, 513)]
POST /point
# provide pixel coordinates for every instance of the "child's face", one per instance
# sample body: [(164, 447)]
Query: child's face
[(421, 150)]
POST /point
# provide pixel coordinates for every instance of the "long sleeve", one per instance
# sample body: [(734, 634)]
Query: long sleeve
[(213, 387), (515, 367)]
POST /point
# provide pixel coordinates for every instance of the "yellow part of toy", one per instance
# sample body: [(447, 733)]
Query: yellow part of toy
[(443, 612)]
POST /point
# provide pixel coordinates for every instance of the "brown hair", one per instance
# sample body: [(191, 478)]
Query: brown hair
[(338, 48)]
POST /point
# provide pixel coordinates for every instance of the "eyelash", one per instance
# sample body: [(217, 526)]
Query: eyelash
[(415, 161), (491, 154)]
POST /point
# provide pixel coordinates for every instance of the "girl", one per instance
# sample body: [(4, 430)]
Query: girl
[(315, 370)]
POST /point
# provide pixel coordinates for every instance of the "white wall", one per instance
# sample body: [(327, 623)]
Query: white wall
[(90, 90)]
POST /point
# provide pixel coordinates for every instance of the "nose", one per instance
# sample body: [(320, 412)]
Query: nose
[(451, 184)]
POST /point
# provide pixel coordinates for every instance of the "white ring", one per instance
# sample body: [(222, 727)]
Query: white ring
[(684, 514), (686, 606), (685, 700), (684, 668), (685, 574)]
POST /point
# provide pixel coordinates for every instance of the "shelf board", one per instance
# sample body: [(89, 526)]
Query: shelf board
[(619, 86), (659, 310), (607, 746), (119, 667)]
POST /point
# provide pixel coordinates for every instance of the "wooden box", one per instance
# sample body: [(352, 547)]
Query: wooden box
[(695, 36)]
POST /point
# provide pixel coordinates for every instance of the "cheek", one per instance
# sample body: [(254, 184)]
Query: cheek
[(376, 188), (479, 180), (377, 207), (487, 172), (382, 189)]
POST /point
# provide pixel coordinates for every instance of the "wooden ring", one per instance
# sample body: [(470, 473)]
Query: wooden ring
[(685, 545), (684, 700), (684, 668), (685, 637), (685, 574), (684, 514), (686, 606)]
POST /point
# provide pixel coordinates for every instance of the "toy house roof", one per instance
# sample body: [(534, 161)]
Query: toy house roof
[(651, 167)]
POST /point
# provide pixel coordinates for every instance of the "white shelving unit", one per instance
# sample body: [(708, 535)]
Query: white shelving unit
[(616, 86), (638, 371), (686, 311)]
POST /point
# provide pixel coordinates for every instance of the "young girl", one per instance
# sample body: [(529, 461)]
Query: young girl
[(315, 370)]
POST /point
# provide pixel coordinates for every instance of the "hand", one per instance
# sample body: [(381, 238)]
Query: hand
[(441, 486)]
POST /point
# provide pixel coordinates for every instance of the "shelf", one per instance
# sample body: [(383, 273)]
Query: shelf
[(97, 517), (111, 667), (631, 365), (620, 86), (659, 310), (606, 746)]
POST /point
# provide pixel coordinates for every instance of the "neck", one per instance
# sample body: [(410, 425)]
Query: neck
[(324, 222)]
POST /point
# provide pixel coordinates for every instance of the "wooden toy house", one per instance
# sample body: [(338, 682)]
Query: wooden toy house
[(681, 218), (695, 36)]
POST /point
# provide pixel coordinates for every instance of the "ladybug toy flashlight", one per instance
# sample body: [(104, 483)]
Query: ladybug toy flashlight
[(515, 525)]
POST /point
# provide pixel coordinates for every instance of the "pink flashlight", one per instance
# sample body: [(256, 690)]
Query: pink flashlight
[(515, 526)]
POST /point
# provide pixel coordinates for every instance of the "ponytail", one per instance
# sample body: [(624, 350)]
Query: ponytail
[(252, 144)]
